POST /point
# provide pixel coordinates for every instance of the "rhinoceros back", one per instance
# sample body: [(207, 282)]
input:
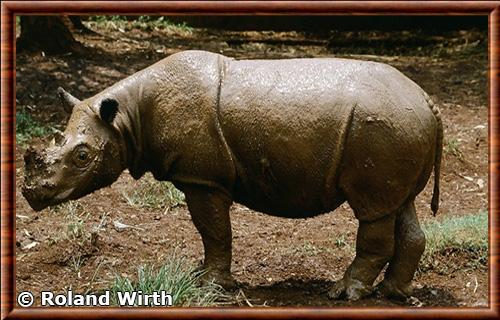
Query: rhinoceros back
[(287, 121)]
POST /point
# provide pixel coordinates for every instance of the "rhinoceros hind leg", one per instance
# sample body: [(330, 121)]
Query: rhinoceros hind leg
[(409, 247), (374, 248), (210, 214)]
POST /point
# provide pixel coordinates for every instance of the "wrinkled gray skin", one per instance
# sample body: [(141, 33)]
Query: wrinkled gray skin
[(291, 138)]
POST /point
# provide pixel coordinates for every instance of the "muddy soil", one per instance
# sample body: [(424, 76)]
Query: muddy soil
[(277, 261)]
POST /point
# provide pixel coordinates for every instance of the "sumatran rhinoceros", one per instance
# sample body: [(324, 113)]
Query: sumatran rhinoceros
[(291, 138)]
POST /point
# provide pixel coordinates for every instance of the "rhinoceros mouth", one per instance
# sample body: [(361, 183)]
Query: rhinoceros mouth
[(64, 195), (36, 203), (41, 201)]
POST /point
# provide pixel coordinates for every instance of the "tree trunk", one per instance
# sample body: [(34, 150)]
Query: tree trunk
[(78, 26), (46, 33)]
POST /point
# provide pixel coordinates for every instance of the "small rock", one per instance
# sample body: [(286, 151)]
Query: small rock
[(30, 246), (122, 226), (24, 276), (415, 302), (480, 183)]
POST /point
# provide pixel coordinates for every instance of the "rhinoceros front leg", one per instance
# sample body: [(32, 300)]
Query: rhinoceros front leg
[(209, 210), (374, 248)]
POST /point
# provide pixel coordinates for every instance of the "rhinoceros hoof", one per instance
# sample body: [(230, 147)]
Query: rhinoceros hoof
[(223, 279), (393, 291), (351, 289)]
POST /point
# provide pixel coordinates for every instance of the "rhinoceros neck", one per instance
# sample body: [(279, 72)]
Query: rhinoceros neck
[(133, 95)]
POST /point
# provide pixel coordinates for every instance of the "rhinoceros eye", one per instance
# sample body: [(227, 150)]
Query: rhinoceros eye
[(81, 156)]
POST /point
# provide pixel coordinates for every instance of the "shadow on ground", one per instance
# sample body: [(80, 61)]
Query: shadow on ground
[(293, 292)]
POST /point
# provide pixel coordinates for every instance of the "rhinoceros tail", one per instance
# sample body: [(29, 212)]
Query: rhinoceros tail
[(438, 154)]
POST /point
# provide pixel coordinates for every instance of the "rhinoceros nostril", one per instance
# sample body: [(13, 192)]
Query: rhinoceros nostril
[(33, 157), (27, 187), (30, 150), (29, 156)]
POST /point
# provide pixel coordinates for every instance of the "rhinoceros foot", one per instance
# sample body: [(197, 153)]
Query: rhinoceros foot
[(351, 289), (394, 291), (224, 279)]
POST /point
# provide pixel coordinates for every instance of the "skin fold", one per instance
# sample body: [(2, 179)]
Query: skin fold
[(292, 138)]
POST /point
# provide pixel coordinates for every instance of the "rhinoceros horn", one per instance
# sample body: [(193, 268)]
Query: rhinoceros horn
[(67, 100)]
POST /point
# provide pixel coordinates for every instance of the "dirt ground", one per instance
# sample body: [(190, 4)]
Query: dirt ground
[(277, 261)]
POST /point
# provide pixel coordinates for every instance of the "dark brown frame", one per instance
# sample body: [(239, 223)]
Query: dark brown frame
[(11, 8)]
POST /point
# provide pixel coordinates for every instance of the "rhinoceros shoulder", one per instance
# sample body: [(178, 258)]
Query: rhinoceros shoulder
[(190, 56)]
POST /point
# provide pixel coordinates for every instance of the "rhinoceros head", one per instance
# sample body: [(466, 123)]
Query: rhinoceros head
[(87, 156)]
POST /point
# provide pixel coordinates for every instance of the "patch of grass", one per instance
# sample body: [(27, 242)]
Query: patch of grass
[(77, 263), (76, 228), (28, 128), (341, 241), (76, 216), (177, 278), (154, 194), (452, 146), (69, 208), (18, 25), (146, 23), (76, 233), (466, 234), (109, 18)]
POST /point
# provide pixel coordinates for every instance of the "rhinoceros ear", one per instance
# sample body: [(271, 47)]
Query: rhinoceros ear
[(108, 109), (67, 100)]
